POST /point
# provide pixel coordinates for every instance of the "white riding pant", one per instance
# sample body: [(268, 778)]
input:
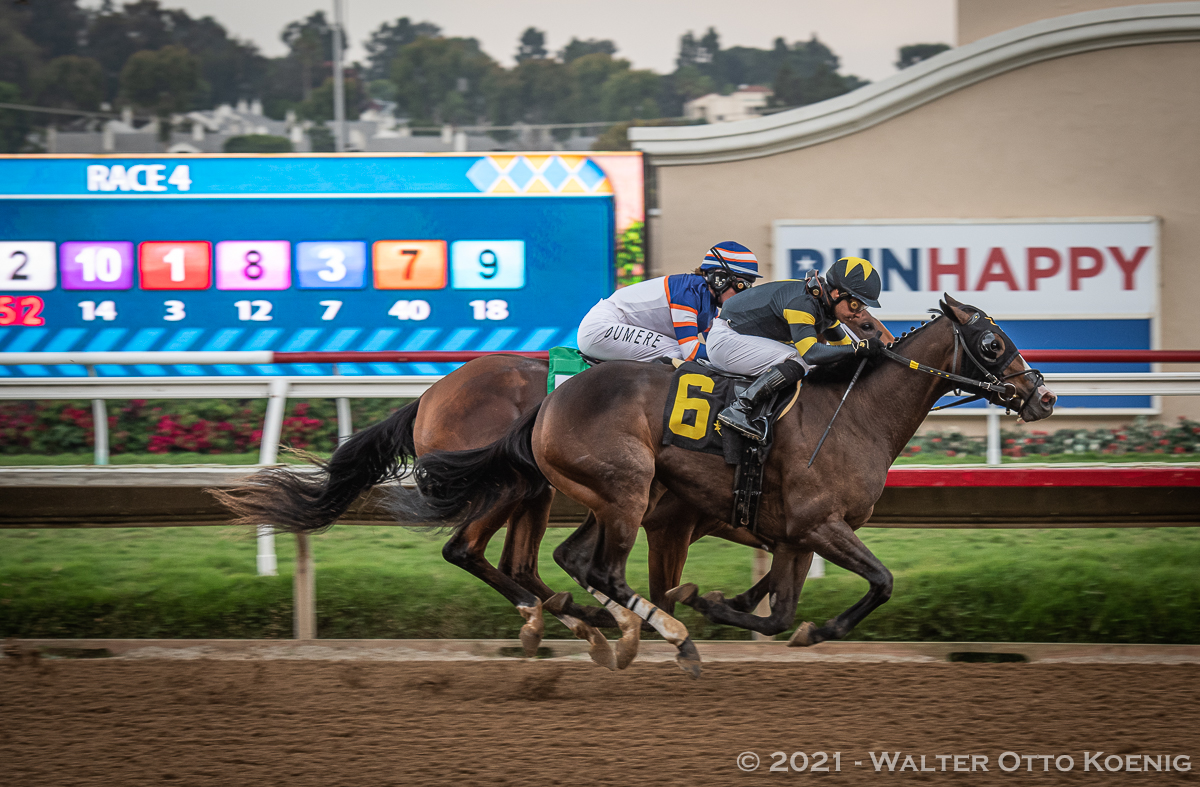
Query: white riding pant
[(731, 351), (604, 336)]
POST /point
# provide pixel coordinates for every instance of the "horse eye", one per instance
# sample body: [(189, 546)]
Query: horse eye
[(989, 346)]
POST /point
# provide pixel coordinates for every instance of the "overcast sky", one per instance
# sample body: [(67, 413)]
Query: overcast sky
[(864, 33)]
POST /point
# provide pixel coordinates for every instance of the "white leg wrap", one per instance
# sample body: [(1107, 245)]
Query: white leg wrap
[(671, 629)]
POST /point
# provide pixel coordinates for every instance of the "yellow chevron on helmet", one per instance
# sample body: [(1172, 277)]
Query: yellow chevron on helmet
[(857, 277)]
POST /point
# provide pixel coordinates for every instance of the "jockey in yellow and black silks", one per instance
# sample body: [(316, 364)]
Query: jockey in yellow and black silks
[(772, 332)]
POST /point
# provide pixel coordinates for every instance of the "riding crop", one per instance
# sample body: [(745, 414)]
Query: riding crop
[(853, 380)]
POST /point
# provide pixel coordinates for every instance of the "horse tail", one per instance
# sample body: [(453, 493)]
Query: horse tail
[(455, 487), (303, 502)]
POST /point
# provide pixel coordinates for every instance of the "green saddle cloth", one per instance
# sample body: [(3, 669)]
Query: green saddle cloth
[(565, 363)]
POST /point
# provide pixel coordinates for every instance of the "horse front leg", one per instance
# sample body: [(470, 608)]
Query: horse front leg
[(836, 542), (784, 582)]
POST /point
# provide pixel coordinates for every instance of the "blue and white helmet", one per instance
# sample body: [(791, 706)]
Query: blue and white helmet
[(738, 260)]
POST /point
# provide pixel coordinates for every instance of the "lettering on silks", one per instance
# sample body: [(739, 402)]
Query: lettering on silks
[(623, 333)]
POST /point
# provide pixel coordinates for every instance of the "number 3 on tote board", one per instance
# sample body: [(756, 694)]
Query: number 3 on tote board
[(254, 265)]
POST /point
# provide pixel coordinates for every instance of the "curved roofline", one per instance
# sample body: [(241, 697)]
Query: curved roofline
[(920, 84)]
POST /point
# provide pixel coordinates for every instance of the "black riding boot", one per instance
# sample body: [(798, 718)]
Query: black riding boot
[(739, 415)]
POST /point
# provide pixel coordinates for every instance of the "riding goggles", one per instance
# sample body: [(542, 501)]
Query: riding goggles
[(853, 303)]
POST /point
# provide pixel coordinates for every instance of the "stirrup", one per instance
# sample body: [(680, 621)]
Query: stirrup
[(746, 428)]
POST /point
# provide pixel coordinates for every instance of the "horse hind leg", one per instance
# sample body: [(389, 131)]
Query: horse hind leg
[(518, 561), (465, 549), (605, 579)]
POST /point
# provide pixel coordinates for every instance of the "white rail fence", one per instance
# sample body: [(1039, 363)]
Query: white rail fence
[(277, 390)]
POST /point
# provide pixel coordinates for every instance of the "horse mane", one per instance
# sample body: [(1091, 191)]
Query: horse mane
[(843, 371)]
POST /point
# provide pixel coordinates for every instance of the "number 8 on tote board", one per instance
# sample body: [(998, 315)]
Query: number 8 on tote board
[(254, 265)]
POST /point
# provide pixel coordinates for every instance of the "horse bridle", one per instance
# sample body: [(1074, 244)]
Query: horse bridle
[(1007, 394)]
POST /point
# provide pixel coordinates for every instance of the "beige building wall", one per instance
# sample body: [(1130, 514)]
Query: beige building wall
[(981, 18), (1103, 133)]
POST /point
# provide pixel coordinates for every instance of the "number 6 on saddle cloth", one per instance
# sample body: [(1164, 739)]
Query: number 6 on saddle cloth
[(697, 393)]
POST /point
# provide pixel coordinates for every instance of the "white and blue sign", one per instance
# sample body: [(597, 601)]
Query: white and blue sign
[(299, 253), (1056, 284)]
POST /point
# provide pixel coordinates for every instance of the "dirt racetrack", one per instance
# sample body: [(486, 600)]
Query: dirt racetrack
[(209, 722)]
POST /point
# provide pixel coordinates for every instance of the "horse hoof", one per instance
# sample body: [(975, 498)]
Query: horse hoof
[(601, 653), (531, 632), (714, 597), (631, 635), (688, 659), (557, 603), (684, 594), (804, 636)]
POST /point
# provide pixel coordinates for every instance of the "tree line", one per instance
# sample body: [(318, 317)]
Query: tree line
[(160, 61)]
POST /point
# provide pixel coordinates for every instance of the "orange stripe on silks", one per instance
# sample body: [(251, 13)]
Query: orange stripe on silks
[(683, 308), (739, 256), (684, 324)]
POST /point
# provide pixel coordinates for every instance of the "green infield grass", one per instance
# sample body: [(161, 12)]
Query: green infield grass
[(1133, 585)]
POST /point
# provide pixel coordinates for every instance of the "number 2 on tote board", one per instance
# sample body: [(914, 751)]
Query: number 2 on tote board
[(27, 265)]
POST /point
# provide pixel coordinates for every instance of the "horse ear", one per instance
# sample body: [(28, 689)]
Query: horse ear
[(953, 309)]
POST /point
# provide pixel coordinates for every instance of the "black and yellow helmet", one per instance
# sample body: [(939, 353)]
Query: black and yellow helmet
[(858, 277)]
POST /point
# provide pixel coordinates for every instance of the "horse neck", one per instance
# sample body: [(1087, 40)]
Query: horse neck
[(896, 398)]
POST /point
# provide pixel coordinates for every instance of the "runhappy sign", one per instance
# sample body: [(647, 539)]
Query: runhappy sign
[(1043, 269)]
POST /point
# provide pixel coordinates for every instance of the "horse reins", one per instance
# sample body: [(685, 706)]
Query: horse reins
[(990, 384)]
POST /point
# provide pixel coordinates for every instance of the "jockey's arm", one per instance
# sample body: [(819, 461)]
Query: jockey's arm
[(685, 312), (836, 335), (802, 326)]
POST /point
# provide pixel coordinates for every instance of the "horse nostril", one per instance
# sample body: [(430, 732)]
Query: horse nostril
[(1049, 398)]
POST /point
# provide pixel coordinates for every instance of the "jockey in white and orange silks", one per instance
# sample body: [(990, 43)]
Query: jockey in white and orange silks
[(669, 315)]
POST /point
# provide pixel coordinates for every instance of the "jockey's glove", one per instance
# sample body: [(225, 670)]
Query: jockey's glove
[(869, 348)]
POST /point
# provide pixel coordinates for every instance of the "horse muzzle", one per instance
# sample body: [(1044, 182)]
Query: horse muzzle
[(1039, 405)]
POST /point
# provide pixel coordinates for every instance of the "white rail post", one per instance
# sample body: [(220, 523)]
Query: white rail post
[(99, 425), (268, 452), (993, 435), (304, 590), (816, 569), (344, 424), (762, 564)]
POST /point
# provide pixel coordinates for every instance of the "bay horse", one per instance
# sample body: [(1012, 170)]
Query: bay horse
[(471, 407), (597, 439)]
